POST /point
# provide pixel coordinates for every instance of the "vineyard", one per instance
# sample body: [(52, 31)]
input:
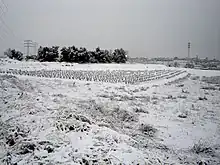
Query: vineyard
[(113, 76)]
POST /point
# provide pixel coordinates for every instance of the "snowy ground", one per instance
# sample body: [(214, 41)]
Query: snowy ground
[(172, 120), (57, 65)]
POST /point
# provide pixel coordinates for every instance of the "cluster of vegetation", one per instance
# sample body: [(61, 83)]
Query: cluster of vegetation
[(162, 59), (189, 65), (48, 54), (30, 57), (209, 65), (142, 60), (73, 54), (81, 55), (14, 54), (175, 64)]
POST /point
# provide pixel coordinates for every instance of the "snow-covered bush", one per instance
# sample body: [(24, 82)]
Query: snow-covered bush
[(48, 54), (14, 54), (30, 57), (148, 130), (189, 65), (81, 55), (119, 56), (176, 64), (202, 148)]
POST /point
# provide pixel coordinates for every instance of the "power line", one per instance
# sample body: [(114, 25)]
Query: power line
[(9, 30), (4, 30), (7, 27), (5, 5), (2, 12), (1, 38), (1, 16), (4, 26), (3, 8)]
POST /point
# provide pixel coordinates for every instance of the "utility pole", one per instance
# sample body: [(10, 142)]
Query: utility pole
[(28, 44)]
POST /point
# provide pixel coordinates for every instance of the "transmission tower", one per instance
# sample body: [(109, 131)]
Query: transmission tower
[(35, 45), (28, 44), (189, 45)]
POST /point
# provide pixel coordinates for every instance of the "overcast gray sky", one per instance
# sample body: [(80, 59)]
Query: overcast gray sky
[(146, 28)]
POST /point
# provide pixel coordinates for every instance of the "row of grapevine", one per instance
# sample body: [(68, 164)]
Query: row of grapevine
[(114, 76)]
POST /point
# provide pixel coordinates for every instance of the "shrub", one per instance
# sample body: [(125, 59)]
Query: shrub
[(202, 147), (31, 57), (140, 110), (119, 56), (176, 64), (102, 56), (48, 54), (14, 54), (148, 130), (65, 54), (81, 55), (189, 65)]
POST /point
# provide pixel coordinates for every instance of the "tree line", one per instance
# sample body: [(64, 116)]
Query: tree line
[(72, 54)]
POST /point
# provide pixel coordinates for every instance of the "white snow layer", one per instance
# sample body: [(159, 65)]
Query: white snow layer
[(56, 121)]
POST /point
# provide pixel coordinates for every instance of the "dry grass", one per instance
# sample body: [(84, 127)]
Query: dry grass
[(140, 110), (148, 130), (202, 148)]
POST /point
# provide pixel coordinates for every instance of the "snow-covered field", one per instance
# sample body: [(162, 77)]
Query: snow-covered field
[(167, 117)]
